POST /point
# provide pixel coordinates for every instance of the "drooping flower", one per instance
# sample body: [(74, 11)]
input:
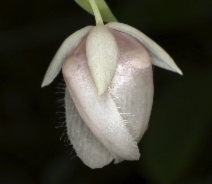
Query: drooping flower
[(108, 74)]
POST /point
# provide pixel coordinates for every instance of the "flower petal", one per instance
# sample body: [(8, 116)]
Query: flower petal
[(65, 49), (158, 55), (88, 148), (100, 114), (132, 85), (102, 54)]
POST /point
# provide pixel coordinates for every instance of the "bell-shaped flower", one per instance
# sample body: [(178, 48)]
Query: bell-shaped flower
[(108, 99)]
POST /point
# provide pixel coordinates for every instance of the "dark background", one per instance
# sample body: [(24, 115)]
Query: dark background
[(177, 148)]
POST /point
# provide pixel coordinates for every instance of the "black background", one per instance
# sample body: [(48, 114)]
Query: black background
[(176, 148)]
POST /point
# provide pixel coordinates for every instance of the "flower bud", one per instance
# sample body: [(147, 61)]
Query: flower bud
[(108, 99), (113, 124)]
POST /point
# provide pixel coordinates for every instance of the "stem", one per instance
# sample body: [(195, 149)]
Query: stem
[(96, 12)]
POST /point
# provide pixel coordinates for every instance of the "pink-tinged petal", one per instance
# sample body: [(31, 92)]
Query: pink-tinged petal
[(159, 56), (132, 87), (64, 51)]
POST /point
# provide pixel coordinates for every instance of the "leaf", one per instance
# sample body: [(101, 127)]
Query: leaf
[(105, 11)]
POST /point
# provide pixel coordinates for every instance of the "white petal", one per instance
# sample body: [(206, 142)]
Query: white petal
[(102, 54), (158, 55), (65, 49), (100, 114), (88, 148), (132, 85)]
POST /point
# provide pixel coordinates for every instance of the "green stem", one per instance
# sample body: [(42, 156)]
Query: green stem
[(96, 12)]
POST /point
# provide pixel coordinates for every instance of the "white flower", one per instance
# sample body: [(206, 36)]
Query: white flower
[(108, 100)]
